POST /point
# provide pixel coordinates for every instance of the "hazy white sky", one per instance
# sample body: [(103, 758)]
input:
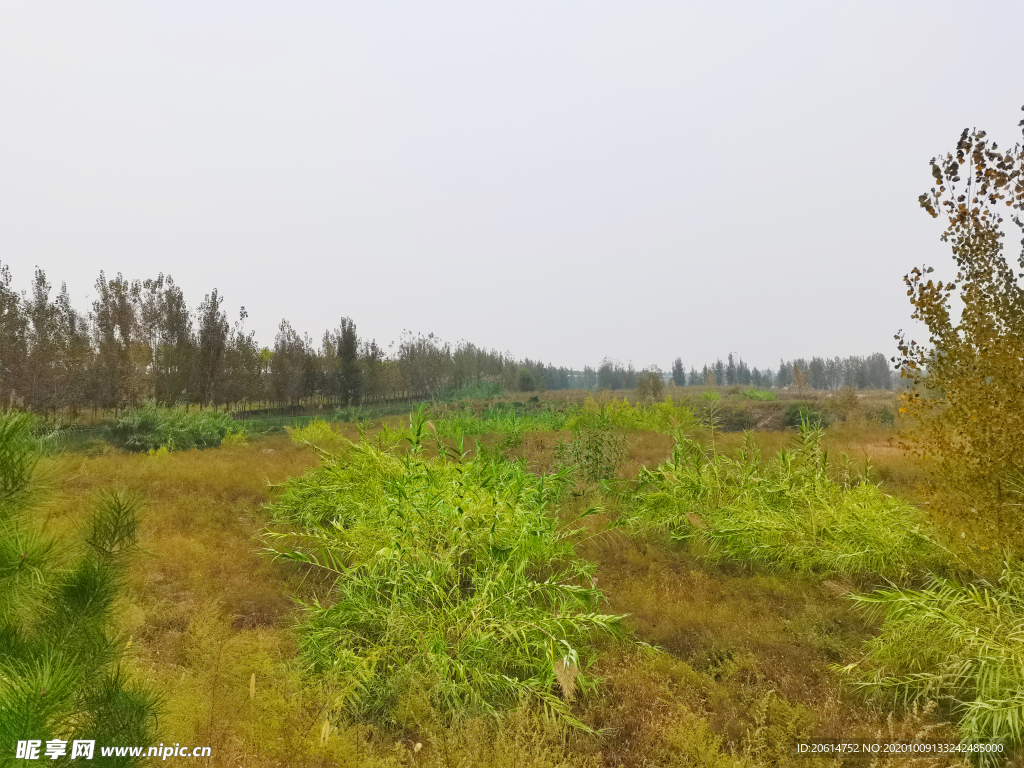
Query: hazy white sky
[(563, 180)]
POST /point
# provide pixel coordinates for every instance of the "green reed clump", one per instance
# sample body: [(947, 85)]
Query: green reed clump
[(317, 433), (504, 418), (789, 512), (959, 644), (519, 418), (764, 395), (455, 592), (596, 452), (150, 427), (665, 416)]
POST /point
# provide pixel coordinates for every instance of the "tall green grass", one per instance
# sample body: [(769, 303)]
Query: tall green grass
[(790, 512), (959, 644), (504, 418), (476, 390), (455, 592), (764, 395), (149, 427), (513, 418)]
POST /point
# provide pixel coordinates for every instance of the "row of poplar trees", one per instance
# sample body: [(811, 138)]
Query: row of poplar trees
[(870, 372), (141, 341)]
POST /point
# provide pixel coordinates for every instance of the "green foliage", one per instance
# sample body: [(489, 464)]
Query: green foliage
[(649, 384), (596, 451), (455, 592), (959, 644), (884, 415), (763, 395), (664, 416), (317, 432), (797, 413), (506, 418), (520, 418), (150, 427), (476, 390), (785, 513), (59, 660), (710, 395)]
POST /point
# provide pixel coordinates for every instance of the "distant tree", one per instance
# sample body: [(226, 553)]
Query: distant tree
[(589, 377), (371, 360), (743, 377), (720, 372), (878, 372), (42, 371), (168, 325), (650, 384), (13, 340), (286, 365), (211, 348), (799, 379), (678, 373), (243, 364), (610, 374), (694, 379), (629, 377), (75, 354), (345, 380), (833, 373), (730, 372), (122, 357), (816, 374), (785, 375), (314, 379)]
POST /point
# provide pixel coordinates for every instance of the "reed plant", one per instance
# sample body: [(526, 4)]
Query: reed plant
[(503, 418), (150, 427), (959, 644), (595, 452), (791, 512), (454, 592), (664, 416)]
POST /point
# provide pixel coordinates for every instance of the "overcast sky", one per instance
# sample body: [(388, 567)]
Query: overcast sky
[(562, 180)]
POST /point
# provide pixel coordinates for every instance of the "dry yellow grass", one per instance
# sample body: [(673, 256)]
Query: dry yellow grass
[(742, 670)]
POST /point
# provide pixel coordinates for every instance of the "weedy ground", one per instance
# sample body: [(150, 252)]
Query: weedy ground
[(731, 665)]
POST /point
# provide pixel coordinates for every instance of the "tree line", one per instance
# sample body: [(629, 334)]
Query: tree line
[(141, 341), (870, 372)]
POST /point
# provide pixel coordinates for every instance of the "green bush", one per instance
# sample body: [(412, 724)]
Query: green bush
[(149, 427), (884, 415), (455, 592), (760, 394), (785, 513)]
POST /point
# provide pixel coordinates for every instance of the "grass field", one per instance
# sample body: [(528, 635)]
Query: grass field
[(721, 661)]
